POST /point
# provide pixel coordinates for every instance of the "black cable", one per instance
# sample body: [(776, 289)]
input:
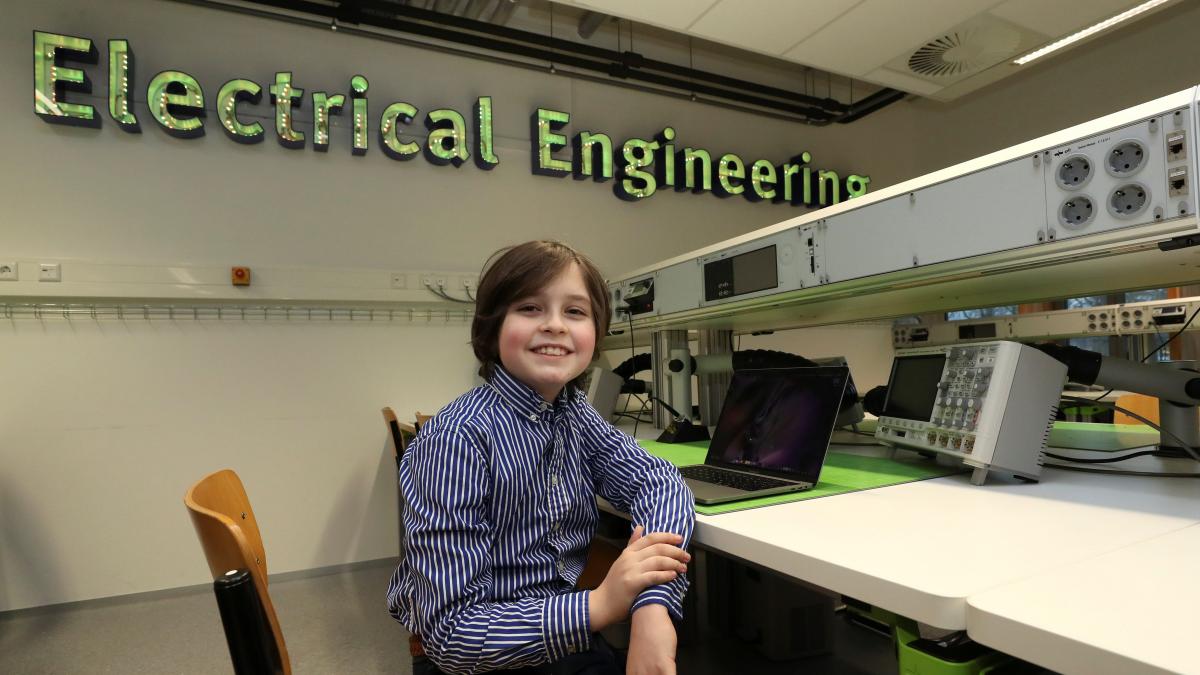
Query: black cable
[(1105, 460), (1172, 338), (1122, 472), (639, 413), (444, 296), (669, 408), (1187, 448), (632, 347)]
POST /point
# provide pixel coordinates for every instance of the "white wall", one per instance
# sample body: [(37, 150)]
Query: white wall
[(104, 424)]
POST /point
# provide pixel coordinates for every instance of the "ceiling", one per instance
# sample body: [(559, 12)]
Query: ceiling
[(940, 49)]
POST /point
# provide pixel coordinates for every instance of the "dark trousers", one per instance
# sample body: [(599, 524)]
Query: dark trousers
[(599, 660)]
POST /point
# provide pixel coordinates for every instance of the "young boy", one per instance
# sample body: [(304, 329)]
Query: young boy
[(500, 491)]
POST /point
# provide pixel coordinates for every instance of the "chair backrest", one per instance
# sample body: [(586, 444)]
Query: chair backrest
[(400, 433), (229, 535), (1146, 406)]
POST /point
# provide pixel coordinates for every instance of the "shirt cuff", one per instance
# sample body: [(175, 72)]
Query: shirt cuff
[(668, 595), (565, 625)]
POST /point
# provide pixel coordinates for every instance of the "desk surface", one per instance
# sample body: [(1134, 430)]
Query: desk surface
[(1131, 610), (921, 549), (992, 559)]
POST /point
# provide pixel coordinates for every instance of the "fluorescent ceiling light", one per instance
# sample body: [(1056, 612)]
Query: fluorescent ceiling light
[(1090, 30)]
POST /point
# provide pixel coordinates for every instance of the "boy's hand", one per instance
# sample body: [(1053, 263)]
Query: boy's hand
[(646, 561), (652, 642)]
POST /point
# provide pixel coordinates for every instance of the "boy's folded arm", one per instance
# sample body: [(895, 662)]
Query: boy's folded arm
[(646, 487), (447, 540)]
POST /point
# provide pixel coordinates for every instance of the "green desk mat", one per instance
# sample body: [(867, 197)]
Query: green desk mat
[(842, 473), (1101, 437)]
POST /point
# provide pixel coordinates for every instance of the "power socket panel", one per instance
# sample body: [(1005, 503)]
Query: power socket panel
[(8, 270)]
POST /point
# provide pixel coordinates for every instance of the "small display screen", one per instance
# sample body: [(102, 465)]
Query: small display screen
[(745, 273), (912, 388)]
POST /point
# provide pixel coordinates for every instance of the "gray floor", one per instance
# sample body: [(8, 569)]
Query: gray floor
[(333, 624)]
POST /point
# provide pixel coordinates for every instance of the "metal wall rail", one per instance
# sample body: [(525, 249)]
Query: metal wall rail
[(156, 312)]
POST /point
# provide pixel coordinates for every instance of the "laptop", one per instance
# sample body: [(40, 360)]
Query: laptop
[(772, 434)]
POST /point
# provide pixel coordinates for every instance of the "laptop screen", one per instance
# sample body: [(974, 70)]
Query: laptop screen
[(779, 420)]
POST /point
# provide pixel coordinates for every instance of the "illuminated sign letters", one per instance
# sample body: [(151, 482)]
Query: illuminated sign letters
[(638, 168)]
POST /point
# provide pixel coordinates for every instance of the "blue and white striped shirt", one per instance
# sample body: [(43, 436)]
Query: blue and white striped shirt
[(500, 489)]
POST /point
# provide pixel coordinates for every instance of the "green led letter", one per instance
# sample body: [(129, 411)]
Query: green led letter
[(51, 80), (787, 177), (695, 179), (177, 103), (730, 168), (447, 143), (829, 178), (762, 181), (485, 156), (856, 186), (543, 125), (634, 184), (284, 96), (664, 166), (232, 93), (358, 93), (120, 74), (323, 107), (393, 116), (586, 162)]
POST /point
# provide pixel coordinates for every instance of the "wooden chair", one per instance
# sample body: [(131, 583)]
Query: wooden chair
[(1146, 406), (400, 433), (229, 535)]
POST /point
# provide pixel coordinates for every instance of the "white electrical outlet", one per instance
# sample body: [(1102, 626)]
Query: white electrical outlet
[(49, 272), (441, 283), (8, 271), (399, 280), (427, 280), (468, 283)]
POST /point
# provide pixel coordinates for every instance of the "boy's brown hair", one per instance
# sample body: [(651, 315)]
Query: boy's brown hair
[(517, 272)]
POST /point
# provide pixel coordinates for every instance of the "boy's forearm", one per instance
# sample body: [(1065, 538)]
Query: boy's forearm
[(601, 613)]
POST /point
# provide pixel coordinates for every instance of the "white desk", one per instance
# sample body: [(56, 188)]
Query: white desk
[(1081, 572), (1131, 610), (922, 549)]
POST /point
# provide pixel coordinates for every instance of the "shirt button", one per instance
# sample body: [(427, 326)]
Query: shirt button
[(570, 649), (554, 479), (562, 567), (532, 417)]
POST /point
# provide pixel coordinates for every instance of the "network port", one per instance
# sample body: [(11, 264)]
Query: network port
[(1177, 182), (1177, 146)]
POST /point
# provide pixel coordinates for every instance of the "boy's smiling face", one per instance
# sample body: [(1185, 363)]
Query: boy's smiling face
[(547, 339)]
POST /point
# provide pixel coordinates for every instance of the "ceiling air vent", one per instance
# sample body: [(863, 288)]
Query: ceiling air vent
[(965, 51)]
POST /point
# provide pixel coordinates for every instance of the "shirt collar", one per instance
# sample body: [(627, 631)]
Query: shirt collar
[(527, 402)]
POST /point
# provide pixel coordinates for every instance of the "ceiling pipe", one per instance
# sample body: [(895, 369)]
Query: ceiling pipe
[(583, 57)]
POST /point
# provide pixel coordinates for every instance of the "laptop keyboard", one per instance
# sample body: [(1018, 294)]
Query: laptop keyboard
[(733, 479)]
